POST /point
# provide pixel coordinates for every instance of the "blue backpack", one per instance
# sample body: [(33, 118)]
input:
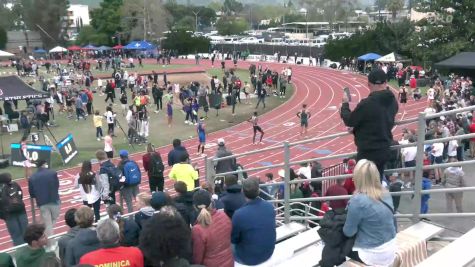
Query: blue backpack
[(132, 173)]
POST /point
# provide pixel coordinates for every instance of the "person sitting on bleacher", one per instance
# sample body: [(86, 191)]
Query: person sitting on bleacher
[(253, 233), (370, 218)]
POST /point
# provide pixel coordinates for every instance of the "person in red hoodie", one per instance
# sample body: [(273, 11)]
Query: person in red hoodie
[(349, 185), (111, 253), (211, 234)]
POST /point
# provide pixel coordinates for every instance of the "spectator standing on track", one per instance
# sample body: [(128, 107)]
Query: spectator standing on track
[(370, 218), (254, 242), (43, 186), (153, 165), (184, 171), (109, 176), (225, 165), (34, 254), (130, 180), (233, 198), (453, 177), (90, 188), (212, 233), (372, 120), (175, 154), (111, 253), (12, 208), (86, 238), (72, 232)]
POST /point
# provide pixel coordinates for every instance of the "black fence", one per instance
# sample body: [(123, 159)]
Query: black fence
[(269, 49)]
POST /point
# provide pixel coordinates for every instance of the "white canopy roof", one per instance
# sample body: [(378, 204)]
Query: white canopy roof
[(58, 49), (5, 54), (387, 58)]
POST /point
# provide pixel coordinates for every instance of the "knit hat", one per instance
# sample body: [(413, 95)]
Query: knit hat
[(159, 199), (201, 198)]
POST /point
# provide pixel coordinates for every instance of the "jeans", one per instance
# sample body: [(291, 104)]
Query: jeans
[(155, 183), (127, 193), (16, 226), (98, 132), (261, 99), (80, 113), (97, 208), (49, 215)]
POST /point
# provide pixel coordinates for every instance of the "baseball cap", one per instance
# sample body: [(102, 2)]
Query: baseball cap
[(221, 141), (377, 76), (124, 153), (201, 198)]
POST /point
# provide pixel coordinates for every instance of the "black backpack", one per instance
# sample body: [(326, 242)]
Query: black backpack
[(156, 166), (11, 199)]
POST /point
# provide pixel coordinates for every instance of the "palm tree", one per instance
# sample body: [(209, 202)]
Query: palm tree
[(395, 6)]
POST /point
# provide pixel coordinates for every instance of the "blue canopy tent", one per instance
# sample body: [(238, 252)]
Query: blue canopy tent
[(139, 45), (368, 57), (89, 47), (40, 51), (104, 48)]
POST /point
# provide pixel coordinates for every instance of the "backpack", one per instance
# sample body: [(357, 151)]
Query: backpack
[(156, 166), (132, 173), (11, 199), (114, 175)]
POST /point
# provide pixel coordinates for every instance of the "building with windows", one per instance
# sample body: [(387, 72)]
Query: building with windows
[(77, 17)]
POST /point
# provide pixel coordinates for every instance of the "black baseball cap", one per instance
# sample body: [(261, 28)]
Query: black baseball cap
[(377, 76)]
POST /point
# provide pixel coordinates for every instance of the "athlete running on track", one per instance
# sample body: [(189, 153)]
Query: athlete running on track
[(304, 115), (256, 128), (201, 136)]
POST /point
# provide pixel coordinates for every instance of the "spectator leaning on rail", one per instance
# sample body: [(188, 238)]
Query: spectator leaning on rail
[(111, 253), (372, 120), (85, 240), (370, 217), (34, 254), (253, 233)]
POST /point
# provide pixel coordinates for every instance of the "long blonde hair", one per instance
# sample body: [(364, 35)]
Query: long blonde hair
[(204, 217), (367, 179)]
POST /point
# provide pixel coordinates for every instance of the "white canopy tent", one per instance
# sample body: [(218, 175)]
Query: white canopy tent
[(5, 54), (58, 49), (387, 58)]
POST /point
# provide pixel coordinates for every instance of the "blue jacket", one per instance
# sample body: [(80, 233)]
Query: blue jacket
[(231, 200), (44, 187), (370, 220), (174, 155), (253, 232), (426, 185)]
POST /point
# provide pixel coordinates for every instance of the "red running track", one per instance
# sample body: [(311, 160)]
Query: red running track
[(319, 88)]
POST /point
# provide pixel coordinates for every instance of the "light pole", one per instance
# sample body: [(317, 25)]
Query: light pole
[(304, 11), (196, 19)]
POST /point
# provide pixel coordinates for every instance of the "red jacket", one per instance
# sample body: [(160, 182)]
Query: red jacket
[(349, 185), (212, 245), (117, 256), (413, 83)]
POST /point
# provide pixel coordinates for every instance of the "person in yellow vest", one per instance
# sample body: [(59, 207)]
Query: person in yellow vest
[(185, 172)]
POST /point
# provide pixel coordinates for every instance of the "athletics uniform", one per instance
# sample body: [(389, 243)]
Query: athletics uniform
[(304, 118), (201, 133), (256, 128)]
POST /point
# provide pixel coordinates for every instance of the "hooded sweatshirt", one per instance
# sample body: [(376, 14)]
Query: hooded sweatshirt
[(144, 214), (232, 199), (28, 257), (372, 121), (175, 155), (85, 241)]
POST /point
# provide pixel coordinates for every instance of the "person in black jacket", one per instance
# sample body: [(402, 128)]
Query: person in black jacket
[(233, 198), (372, 120), (176, 152), (12, 208)]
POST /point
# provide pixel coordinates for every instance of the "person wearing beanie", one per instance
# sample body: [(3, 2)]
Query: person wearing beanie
[(372, 120), (211, 235), (12, 208)]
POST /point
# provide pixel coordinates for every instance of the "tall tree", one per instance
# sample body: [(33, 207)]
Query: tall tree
[(107, 19), (47, 17), (232, 7), (395, 6), (144, 18), (231, 25)]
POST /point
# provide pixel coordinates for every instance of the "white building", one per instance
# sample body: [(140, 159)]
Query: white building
[(78, 16)]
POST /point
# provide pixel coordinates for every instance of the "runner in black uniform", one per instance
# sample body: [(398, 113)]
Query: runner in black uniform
[(256, 128), (304, 115)]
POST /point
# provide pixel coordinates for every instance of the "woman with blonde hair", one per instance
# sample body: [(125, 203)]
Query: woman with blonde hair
[(211, 234), (370, 218)]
